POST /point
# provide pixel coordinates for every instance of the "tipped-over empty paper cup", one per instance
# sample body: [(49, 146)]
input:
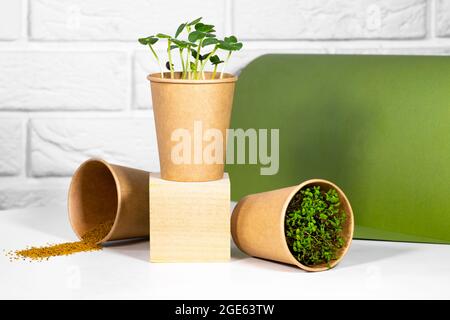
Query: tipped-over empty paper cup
[(101, 192), (258, 224)]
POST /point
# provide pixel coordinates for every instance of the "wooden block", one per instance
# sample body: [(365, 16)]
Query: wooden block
[(189, 221)]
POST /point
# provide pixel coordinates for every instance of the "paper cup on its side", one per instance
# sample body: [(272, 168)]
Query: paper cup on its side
[(258, 224), (101, 192)]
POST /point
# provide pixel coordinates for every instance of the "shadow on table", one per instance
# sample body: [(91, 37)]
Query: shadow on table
[(359, 254), (238, 256), (134, 248), (363, 252), (140, 249), (54, 222)]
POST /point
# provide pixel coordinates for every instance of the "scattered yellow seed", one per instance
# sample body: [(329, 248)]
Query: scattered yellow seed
[(89, 242)]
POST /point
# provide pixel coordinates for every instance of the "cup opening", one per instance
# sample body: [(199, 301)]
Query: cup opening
[(93, 197), (205, 78), (347, 230)]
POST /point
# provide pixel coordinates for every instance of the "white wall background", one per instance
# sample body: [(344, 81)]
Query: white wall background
[(72, 76)]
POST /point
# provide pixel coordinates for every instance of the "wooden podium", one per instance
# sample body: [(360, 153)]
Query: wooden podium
[(189, 221)]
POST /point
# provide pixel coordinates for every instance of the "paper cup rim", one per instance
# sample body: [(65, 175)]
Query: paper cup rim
[(333, 263), (156, 77)]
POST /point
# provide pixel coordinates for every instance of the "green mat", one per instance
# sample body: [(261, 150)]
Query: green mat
[(378, 126)]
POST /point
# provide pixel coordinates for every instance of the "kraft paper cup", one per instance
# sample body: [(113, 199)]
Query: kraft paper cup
[(101, 192), (258, 224), (178, 104)]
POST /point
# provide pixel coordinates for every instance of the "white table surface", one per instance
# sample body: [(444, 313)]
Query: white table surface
[(371, 269)]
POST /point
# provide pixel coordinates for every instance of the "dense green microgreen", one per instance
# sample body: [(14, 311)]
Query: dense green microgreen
[(314, 226), (199, 35)]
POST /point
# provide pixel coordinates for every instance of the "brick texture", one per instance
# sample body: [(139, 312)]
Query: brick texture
[(11, 150), (24, 194), (323, 19), (443, 18), (63, 81), (58, 146), (10, 19), (117, 19)]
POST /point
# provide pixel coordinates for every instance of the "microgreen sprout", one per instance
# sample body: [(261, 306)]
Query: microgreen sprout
[(199, 36), (150, 41), (229, 44)]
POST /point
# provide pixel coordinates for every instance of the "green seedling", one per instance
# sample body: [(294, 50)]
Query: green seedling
[(229, 44), (313, 226), (150, 41), (201, 32), (182, 45), (215, 60), (169, 50), (189, 48), (199, 36)]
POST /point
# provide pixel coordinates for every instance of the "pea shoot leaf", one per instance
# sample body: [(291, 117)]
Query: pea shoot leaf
[(201, 56), (163, 36), (148, 40), (209, 41), (180, 29), (193, 22), (215, 60), (204, 27), (195, 36)]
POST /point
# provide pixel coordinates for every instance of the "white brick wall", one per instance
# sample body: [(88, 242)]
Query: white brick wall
[(73, 78), (10, 19), (443, 18), (63, 81), (32, 193), (339, 19), (11, 147), (58, 146), (115, 19)]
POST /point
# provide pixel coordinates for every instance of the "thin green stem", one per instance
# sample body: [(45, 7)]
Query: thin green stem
[(157, 59), (182, 64), (214, 72), (207, 58), (188, 62), (225, 64), (170, 59), (197, 59), (188, 54)]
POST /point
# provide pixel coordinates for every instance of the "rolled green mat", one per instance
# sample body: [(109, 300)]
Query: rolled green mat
[(377, 126)]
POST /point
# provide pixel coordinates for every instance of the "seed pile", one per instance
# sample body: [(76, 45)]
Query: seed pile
[(89, 242)]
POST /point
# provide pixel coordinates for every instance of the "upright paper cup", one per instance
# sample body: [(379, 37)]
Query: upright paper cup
[(258, 224), (101, 192), (181, 104)]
